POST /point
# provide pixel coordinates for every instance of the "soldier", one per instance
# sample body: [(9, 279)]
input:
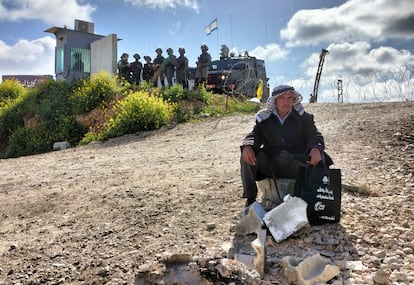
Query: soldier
[(158, 66), (203, 64), (124, 68), (182, 68), (136, 68), (148, 71), (170, 65)]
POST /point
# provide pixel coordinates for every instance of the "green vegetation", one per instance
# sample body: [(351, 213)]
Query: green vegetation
[(98, 108), (99, 88), (10, 90)]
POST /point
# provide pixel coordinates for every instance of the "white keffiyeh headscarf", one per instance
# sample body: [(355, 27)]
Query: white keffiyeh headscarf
[(263, 114)]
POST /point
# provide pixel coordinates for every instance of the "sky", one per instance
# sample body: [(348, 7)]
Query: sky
[(370, 42)]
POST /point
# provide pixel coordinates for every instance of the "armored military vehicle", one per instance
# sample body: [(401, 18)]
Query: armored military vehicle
[(240, 75)]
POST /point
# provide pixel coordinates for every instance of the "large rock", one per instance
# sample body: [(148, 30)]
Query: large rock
[(310, 271), (287, 218)]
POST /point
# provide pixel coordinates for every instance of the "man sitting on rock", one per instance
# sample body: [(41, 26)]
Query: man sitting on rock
[(283, 131)]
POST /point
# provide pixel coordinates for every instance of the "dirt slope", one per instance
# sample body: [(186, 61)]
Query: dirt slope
[(94, 214)]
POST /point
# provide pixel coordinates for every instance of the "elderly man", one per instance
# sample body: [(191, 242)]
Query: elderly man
[(283, 131)]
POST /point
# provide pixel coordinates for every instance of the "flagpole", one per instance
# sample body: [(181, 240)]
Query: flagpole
[(266, 62), (217, 45), (231, 30)]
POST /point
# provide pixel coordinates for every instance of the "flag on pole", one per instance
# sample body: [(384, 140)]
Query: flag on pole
[(211, 27)]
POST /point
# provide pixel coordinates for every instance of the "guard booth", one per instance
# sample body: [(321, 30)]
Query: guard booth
[(80, 52)]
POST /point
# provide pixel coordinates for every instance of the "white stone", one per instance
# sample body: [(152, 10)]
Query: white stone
[(61, 145), (287, 218), (310, 271), (356, 266)]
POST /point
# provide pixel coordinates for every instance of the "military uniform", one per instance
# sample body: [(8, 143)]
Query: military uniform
[(147, 71), (136, 68), (203, 64), (182, 69), (170, 64), (158, 65), (124, 68)]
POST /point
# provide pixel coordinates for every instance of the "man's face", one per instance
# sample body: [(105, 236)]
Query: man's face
[(284, 103)]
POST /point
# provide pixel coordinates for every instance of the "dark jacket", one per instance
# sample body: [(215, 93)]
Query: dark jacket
[(123, 69), (298, 135), (136, 67), (147, 72)]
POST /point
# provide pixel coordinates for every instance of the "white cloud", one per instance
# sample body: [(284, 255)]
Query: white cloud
[(56, 12), (358, 57), (165, 4), (270, 52), (368, 74), (355, 20), (358, 35), (29, 57)]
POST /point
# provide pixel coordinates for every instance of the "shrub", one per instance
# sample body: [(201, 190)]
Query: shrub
[(32, 123), (200, 94), (188, 102), (92, 136), (145, 86), (11, 89), (39, 138), (68, 129), (173, 93), (139, 111), (94, 91), (11, 118), (27, 141), (12, 95), (48, 101)]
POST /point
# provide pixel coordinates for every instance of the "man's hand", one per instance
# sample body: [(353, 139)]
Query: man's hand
[(248, 155), (315, 156)]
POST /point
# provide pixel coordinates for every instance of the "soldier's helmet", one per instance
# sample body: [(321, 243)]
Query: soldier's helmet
[(204, 47), (169, 50), (158, 50), (181, 49)]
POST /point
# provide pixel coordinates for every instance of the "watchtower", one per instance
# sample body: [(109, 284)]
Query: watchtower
[(80, 52)]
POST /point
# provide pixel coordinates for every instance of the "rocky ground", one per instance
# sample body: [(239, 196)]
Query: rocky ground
[(96, 214)]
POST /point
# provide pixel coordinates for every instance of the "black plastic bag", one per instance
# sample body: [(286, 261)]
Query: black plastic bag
[(321, 189)]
